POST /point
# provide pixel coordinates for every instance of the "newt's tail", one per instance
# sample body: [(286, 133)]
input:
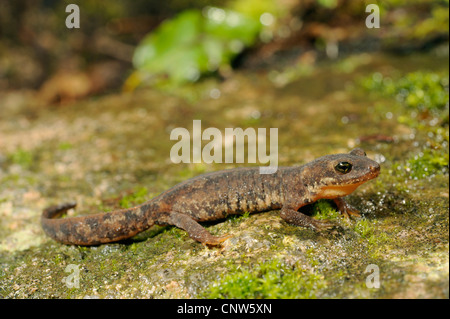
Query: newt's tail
[(95, 229)]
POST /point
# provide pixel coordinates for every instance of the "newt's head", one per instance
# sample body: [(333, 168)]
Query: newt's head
[(338, 175)]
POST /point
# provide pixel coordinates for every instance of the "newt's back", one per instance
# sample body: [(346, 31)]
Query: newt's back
[(215, 195)]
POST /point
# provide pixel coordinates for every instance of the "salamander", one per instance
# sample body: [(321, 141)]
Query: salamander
[(214, 196)]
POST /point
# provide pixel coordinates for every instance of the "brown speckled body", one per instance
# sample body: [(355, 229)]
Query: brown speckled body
[(216, 195)]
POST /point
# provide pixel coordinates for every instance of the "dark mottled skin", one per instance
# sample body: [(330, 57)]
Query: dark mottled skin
[(216, 195)]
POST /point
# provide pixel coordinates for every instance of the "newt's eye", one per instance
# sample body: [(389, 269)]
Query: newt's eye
[(343, 167)]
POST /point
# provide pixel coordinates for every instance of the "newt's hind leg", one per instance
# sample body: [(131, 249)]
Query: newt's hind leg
[(194, 229)]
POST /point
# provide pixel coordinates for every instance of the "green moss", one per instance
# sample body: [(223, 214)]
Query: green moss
[(324, 209), (272, 279), (416, 90), (427, 163), (423, 99), (238, 218), (139, 196), (364, 228)]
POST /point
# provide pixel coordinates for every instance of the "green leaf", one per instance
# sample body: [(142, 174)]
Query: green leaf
[(193, 43)]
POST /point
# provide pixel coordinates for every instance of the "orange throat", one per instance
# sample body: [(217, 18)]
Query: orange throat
[(334, 191)]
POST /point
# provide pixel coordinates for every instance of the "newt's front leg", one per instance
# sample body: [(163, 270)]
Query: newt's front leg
[(345, 208)]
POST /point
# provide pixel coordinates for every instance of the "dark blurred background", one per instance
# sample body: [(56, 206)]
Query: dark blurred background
[(38, 53)]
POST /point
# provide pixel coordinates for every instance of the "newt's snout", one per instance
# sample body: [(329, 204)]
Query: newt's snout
[(375, 169)]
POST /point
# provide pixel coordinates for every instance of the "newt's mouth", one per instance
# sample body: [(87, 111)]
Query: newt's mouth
[(374, 171), (333, 191)]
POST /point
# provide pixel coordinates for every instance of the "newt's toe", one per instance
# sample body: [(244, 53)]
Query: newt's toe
[(322, 225), (346, 209), (216, 240), (354, 212)]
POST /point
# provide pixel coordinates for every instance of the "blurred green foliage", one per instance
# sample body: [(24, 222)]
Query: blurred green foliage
[(193, 43), (21, 157), (255, 8), (420, 18), (331, 4)]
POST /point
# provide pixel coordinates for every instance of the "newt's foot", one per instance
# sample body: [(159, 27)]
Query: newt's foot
[(300, 219), (322, 225), (345, 208), (194, 229), (215, 240)]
